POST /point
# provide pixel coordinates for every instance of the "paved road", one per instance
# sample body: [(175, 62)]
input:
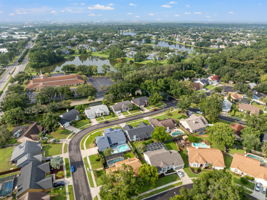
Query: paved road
[(80, 184)]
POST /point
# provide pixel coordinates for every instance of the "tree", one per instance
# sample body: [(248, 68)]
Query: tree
[(50, 122), (14, 116), (264, 149), (148, 174), (14, 100), (108, 151), (69, 68), (184, 102), (250, 138), (216, 184), (116, 52), (120, 185), (160, 134), (56, 162), (5, 135), (85, 90), (221, 135), (155, 98), (212, 107), (257, 122), (139, 57)]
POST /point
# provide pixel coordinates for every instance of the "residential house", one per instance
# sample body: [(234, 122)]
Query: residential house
[(202, 82), (237, 128), (247, 166), (258, 98), (135, 163), (34, 178), (235, 96), (226, 105), (248, 108), (141, 132), (35, 196), (110, 139), (24, 133), (68, 117), (25, 150), (164, 160), (205, 157), (154, 146), (194, 123), (140, 101), (54, 81), (96, 111), (169, 124), (214, 79), (122, 107)]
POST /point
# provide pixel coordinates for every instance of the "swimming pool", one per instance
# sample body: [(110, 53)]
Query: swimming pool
[(6, 188), (121, 148), (200, 145), (177, 132), (113, 161), (256, 157)]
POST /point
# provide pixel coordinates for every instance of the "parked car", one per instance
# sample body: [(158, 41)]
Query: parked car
[(59, 184), (72, 169), (180, 174), (258, 187)]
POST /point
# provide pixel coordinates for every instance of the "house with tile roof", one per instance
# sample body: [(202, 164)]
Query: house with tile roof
[(164, 160), (202, 158), (247, 166), (135, 163)]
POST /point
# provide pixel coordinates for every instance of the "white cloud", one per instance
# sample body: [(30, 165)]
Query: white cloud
[(166, 6), (231, 12), (101, 7), (53, 12), (73, 10), (172, 2), (151, 14), (187, 13), (27, 11), (198, 13), (132, 4), (177, 15)]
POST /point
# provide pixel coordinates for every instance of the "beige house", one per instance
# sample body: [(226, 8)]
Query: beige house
[(194, 123), (248, 108), (135, 163)]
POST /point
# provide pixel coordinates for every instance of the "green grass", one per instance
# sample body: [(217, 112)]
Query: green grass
[(190, 173), (71, 194), (5, 159), (100, 54), (171, 146), (65, 148), (91, 139), (129, 154), (67, 166), (95, 198), (227, 160), (98, 176), (233, 151), (85, 123), (58, 193), (249, 184), (171, 114), (137, 122), (52, 149), (159, 190), (95, 161), (161, 181), (88, 173), (60, 133)]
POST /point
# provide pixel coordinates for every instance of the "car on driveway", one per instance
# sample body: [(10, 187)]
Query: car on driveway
[(180, 174), (59, 184), (258, 187)]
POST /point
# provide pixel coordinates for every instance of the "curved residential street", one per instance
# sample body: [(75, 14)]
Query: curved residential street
[(80, 183)]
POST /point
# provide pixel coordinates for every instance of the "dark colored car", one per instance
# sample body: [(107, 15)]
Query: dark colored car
[(59, 184), (72, 169)]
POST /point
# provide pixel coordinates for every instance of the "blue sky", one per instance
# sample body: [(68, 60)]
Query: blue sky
[(245, 11)]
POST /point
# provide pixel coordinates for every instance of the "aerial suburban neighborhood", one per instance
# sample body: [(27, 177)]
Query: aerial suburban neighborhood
[(142, 110)]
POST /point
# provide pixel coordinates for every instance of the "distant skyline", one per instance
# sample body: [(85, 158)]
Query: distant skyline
[(96, 11)]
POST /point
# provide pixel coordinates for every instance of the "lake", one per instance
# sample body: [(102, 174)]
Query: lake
[(175, 46), (80, 60)]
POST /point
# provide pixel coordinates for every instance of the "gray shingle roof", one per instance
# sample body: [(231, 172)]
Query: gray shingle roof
[(27, 147), (69, 116), (122, 106), (140, 101), (141, 132)]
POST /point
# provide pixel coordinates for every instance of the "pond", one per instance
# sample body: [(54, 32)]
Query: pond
[(174, 46), (80, 60)]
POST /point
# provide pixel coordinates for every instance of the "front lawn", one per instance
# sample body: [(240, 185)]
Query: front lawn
[(85, 123), (67, 166), (247, 184), (91, 139), (5, 158), (137, 122), (161, 181), (52, 149), (171, 114), (58, 193), (60, 133), (95, 161), (99, 176), (88, 172), (71, 194)]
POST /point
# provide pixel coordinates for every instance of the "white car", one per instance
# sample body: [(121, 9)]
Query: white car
[(180, 174)]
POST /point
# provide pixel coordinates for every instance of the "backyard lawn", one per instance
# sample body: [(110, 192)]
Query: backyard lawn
[(60, 133), (5, 158), (233, 151), (52, 149), (95, 161), (171, 145)]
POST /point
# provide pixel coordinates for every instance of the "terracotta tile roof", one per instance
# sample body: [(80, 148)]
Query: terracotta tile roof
[(237, 127), (135, 163), (64, 80), (236, 96), (250, 166), (168, 123), (215, 77), (203, 156), (249, 108)]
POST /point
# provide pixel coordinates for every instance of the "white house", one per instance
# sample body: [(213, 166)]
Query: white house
[(96, 111)]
